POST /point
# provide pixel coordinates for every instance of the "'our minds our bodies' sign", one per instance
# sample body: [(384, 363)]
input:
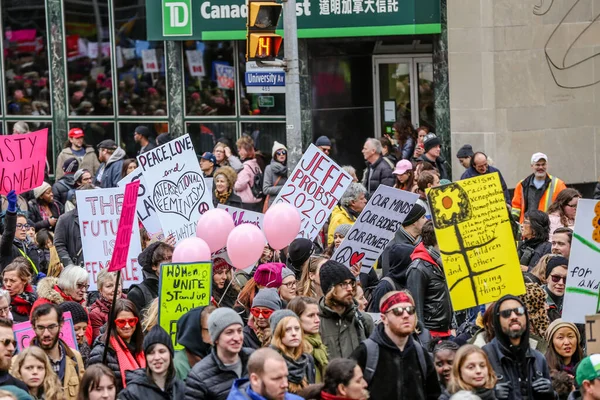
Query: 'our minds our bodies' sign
[(175, 183)]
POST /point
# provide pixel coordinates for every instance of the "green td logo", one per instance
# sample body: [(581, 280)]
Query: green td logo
[(177, 17)]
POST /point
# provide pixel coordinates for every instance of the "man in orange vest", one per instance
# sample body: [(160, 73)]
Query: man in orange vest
[(538, 190)]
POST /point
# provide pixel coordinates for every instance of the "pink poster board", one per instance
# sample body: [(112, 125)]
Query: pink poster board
[(24, 333), (22, 161), (125, 229)]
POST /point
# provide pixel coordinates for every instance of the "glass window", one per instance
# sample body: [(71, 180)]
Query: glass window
[(141, 77), (36, 126), (264, 134), (257, 103), (126, 134), (88, 55), (209, 78), (205, 135), (425, 93), (95, 132), (27, 87)]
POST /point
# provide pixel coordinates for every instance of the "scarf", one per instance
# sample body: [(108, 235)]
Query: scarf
[(319, 352), (222, 198), (22, 303), (327, 396), (296, 368), (126, 360)]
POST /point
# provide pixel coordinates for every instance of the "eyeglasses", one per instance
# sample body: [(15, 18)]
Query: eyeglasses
[(281, 153), (346, 284), (8, 341), (291, 284), (398, 311), (519, 311), (257, 312), (558, 278), (23, 226), (5, 310), (573, 206), (121, 322), (50, 328), (83, 286)]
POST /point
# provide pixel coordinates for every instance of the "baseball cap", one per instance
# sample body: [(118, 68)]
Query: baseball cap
[(588, 369), (209, 156), (107, 144), (537, 157), (76, 133), (402, 166)]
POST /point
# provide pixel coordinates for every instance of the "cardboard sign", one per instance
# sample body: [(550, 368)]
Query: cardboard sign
[(592, 333), (181, 288), (195, 63), (225, 75), (176, 184), (22, 161), (476, 242), (146, 211), (244, 216), (24, 333), (149, 60), (119, 257), (99, 213), (375, 227), (583, 278), (314, 188)]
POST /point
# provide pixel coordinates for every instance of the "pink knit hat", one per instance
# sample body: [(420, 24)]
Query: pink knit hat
[(269, 275)]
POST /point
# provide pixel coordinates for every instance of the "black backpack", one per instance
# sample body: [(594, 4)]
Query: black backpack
[(257, 185), (373, 358)]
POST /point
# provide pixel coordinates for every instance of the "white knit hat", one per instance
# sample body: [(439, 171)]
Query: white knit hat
[(277, 146)]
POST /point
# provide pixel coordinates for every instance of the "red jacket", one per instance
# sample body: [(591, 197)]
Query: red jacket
[(99, 315)]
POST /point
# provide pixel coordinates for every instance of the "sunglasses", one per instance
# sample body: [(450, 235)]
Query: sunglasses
[(8, 341), (281, 153), (398, 311), (519, 311), (121, 322), (257, 312), (558, 278)]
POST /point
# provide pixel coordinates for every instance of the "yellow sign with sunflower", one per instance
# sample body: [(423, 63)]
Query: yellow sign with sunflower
[(476, 242)]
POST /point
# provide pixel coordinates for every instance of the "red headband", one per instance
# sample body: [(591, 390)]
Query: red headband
[(400, 297)]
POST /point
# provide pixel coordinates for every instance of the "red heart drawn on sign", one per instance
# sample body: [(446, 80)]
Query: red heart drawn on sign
[(356, 258)]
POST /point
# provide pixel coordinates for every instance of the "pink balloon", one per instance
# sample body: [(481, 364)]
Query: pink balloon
[(281, 225), (245, 245), (214, 226), (192, 249)]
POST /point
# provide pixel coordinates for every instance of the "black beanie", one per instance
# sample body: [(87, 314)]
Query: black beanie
[(465, 151), (430, 141), (77, 311), (158, 335), (554, 262), (414, 215), (299, 251), (145, 257), (332, 273)]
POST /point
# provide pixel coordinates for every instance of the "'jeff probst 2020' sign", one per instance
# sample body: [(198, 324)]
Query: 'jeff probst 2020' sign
[(219, 20)]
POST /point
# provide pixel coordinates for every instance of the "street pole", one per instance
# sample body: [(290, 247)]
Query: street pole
[(292, 84)]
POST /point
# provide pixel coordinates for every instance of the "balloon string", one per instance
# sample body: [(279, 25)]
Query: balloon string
[(225, 292)]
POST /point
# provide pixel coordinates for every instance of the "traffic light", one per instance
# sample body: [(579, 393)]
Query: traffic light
[(262, 43)]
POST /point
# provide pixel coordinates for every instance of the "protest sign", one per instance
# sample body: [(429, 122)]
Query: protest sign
[(314, 188), (22, 161), (99, 211), (195, 63), (146, 211), (592, 333), (126, 221), (149, 60), (24, 333), (244, 216), (583, 277), (375, 227), (476, 242), (182, 287), (175, 182)]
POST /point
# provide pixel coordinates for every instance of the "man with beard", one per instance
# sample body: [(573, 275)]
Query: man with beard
[(398, 354), (538, 190), (556, 278), (268, 378), (7, 349), (522, 371), (561, 241), (47, 321), (343, 326)]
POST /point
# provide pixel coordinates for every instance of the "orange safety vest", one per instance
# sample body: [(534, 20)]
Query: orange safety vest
[(556, 186)]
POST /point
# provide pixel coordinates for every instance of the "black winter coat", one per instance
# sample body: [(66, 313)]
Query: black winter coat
[(139, 386), (483, 394), (250, 339), (439, 164), (136, 295), (234, 200), (61, 188), (398, 373), (111, 360), (67, 239), (506, 369), (210, 380), (9, 246), (378, 173), (56, 208)]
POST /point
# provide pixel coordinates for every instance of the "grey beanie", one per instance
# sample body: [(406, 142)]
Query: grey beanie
[(286, 272), (342, 230), (277, 316), (323, 141), (221, 319), (268, 298)]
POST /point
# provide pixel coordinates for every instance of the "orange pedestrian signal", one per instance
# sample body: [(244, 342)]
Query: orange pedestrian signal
[(263, 46), (262, 43)]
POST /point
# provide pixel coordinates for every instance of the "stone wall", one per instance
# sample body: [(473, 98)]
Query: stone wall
[(524, 77)]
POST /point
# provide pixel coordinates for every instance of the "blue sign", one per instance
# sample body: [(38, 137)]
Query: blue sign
[(265, 78)]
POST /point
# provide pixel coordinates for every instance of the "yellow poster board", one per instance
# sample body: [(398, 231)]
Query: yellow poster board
[(182, 287), (476, 242)]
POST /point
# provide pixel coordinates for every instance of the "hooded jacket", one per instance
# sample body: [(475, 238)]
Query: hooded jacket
[(245, 181), (111, 170), (341, 334), (401, 237), (140, 386), (398, 373), (189, 335), (400, 261), (137, 293), (378, 173), (275, 177), (61, 188), (427, 283), (516, 364), (67, 239), (241, 390), (11, 248), (89, 161)]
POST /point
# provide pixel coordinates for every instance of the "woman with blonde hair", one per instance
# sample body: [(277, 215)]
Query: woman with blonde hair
[(33, 367), (150, 316), (16, 280), (310, 283), (471, 371), (288, 340)]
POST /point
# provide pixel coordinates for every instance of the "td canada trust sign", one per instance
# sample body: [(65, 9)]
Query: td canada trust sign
[(226, 19)]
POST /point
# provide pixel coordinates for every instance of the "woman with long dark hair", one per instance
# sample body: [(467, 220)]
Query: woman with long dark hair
[(158, 379), (562, 211), (406, 137), (405, 176), (535, 232), (343, 381), (564, 349), (224, 291)]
